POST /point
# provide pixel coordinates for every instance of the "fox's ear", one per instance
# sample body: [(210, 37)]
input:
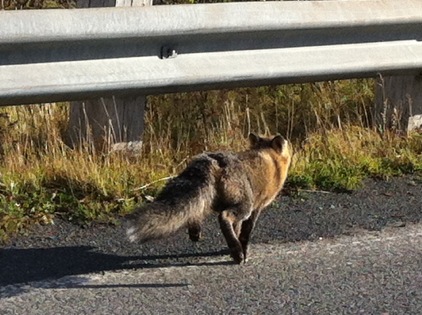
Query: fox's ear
[(253, 139), (277, 143)]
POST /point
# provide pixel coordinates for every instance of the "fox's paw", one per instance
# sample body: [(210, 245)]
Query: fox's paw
[(195, 237), (237, 256), (194, 234)]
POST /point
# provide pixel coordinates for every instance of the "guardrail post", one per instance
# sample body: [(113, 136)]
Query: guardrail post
[(399, 103), (113, 123)]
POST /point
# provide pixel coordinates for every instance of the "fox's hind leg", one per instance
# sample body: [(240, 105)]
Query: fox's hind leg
[(195, 231)]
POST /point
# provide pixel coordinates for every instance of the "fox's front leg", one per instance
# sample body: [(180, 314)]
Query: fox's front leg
[(246, 230)]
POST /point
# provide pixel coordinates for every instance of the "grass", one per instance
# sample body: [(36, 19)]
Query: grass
[(329, 124), (36, 4), (339, 160)]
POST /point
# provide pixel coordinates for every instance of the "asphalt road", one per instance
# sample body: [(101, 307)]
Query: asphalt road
[(316, 253)]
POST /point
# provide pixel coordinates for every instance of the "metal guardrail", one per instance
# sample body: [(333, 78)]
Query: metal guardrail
[(52, 55)]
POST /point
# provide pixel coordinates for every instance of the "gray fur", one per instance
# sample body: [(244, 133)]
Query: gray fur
[(188, 197)]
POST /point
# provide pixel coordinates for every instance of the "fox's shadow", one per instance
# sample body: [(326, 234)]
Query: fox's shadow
[(27, 265), (37, 264)]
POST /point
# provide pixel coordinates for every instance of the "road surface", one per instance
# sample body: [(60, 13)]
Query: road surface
[(314, 253)]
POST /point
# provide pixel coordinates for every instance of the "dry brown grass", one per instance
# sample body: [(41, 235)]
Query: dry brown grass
[(328, 123)]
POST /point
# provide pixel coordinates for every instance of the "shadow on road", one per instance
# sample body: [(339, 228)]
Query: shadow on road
[(135, 286), (27, 265)]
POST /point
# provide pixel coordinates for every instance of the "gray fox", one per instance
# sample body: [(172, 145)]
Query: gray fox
[(237, 186)]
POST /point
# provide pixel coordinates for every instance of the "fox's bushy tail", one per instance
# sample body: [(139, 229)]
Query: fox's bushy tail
[(186, 198)]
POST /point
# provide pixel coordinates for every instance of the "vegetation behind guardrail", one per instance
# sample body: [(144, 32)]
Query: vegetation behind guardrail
[(329, 124)]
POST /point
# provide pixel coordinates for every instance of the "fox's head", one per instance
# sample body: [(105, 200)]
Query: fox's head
[(275, 148), (277, 143)]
